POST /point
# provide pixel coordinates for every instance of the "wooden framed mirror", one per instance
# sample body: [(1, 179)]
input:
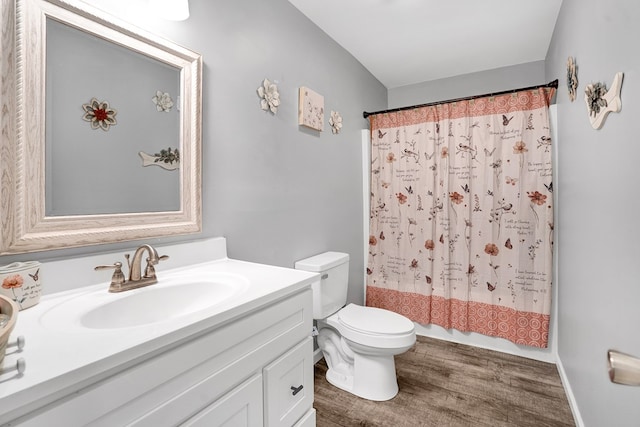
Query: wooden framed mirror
[(83, 96)]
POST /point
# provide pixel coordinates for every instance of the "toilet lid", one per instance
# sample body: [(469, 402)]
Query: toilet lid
[(374, 320)]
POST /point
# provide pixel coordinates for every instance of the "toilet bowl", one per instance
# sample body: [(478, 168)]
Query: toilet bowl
[(369, 338), (358, 343)]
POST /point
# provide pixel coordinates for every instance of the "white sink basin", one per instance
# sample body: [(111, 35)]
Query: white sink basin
[(156, 305), (165, 301)]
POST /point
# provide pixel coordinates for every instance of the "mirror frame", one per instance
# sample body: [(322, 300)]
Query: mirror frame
[(24, 226)]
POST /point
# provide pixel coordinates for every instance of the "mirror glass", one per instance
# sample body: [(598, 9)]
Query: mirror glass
[(101, 130), (98, 169)]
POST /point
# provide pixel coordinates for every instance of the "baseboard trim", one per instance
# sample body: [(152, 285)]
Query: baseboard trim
[(317, 355), (573, 404), (474, 339)]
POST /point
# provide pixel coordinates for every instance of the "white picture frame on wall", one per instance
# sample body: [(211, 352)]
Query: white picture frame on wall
[(310, 109)]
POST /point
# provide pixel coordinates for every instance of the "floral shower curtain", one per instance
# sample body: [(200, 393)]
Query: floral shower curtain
[(461, 230)]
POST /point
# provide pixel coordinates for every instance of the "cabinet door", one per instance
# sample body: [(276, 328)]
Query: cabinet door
[(308, 420), (241, 407), (288, 386)]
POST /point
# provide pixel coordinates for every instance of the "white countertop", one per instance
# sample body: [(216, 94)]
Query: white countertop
[(62, 361)]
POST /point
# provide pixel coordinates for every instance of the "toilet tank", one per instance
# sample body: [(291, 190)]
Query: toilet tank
[(330, 291)]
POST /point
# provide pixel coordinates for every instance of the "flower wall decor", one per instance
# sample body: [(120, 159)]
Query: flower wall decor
[(99, 114), (335, 121), (572, 78), (594, 96), (163, 101), (600, 101), (168, 159), (310, 109), (269, 96)]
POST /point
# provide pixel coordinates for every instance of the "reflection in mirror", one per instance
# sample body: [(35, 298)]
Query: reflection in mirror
[(98, 113), (98, 170)]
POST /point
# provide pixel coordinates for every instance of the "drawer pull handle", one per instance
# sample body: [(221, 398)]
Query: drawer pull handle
[(296, 390)]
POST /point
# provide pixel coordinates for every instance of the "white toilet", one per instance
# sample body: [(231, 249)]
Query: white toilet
[(358, 343)]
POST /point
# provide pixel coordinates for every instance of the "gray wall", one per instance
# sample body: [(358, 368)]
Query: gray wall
[(279, 192), (597, 222), (276, 191), (482, 82)]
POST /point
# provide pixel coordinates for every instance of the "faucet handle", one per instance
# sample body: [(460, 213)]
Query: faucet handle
[(150, 271), (118, 279)]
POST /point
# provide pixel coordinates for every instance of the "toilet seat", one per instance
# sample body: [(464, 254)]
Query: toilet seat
[(373, 327), (376, 321)]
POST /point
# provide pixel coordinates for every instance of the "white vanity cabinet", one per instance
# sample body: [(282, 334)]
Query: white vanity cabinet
[(268, 399), (253, 370)]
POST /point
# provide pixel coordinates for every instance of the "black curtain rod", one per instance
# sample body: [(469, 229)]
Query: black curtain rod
[(553, 84)]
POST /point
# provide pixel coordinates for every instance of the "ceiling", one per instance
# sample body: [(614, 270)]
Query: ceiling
[(402, 42)]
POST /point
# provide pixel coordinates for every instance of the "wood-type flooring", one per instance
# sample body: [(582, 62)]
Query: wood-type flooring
[(448, 384)]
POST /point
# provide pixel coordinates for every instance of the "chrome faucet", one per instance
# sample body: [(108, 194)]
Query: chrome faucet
[(136, 279)]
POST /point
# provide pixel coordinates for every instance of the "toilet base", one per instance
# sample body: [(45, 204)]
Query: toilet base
[(363, 372), (374, 378)]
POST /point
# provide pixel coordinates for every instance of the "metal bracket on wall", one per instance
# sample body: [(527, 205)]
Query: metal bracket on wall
[(623, 368)]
